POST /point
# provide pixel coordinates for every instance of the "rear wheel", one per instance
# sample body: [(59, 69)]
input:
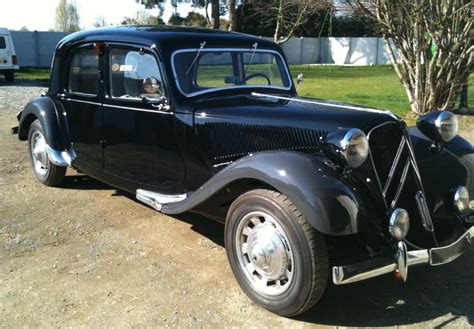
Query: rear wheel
[(9, 76), (278, 258), (45, 171)]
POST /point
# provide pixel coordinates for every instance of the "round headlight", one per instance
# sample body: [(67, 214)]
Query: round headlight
[(447, 125), (461, 199), (399, 224), (354, 147)]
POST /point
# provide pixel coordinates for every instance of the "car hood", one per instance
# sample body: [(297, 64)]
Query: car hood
[(230, 127)]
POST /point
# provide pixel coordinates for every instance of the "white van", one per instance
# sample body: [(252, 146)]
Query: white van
[(8, 61)]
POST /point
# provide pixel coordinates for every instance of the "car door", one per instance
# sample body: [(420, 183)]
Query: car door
[(141, 145), (81, 102)]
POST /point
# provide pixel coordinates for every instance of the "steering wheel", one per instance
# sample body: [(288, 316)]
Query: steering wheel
[(255, 75)]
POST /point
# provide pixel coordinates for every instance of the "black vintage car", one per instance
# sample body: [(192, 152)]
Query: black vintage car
[(210, 122)]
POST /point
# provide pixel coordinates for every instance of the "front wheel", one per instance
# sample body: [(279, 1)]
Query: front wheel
[(45, 171), (278, 258)]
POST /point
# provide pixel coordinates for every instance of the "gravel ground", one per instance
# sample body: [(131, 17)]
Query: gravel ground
[(87, 254)]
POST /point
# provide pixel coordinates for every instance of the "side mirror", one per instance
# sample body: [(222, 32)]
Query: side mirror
[(299, 80)]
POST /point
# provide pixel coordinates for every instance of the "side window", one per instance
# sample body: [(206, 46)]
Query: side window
[(84, 72), (2, 43), (134, 75)]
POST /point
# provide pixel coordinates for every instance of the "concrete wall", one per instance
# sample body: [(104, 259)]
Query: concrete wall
[(37, 48)]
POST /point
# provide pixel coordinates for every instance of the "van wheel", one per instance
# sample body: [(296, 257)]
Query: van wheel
[(278, 258), (45, 171), (9, 76)]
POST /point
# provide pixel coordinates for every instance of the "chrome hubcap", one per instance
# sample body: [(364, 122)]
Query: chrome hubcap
[(39, 153), (264, 253)]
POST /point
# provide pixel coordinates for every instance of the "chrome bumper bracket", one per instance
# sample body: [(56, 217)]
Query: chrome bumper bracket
[(402, 260)]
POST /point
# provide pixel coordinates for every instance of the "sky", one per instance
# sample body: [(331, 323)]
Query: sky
[(39, 14)]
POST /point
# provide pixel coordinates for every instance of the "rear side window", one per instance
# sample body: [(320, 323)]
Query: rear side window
[(2, 43), (84, 72)]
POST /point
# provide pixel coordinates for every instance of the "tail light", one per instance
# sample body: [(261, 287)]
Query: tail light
[(14, 61)]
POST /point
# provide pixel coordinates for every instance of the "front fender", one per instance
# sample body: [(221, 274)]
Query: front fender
[(52, 118), (455, 158), (311, 184)]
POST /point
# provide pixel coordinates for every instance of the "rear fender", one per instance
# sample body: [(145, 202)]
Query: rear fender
[(52, 118), (308, 181)]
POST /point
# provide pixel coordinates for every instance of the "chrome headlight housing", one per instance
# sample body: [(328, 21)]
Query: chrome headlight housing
[(440, 126), (348, 147)]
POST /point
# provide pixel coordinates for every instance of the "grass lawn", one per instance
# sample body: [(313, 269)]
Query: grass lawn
[(33, 73), (375, 86)]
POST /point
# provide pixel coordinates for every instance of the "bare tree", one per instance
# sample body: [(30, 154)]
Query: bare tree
[(67, 16), (100, 21), (431, 48), (288, 14), (142, 17)]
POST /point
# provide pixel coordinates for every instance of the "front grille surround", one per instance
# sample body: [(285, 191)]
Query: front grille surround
[(394, 165)]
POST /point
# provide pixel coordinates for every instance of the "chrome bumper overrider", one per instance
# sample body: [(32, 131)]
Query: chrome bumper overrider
[(402, 260)]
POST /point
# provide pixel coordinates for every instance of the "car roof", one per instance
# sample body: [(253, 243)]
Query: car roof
[(166, 38)]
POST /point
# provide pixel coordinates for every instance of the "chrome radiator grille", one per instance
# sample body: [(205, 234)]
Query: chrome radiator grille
[(396, 171)]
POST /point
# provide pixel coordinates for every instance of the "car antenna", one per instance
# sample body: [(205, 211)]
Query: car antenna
[(254, 46), (202, 45)]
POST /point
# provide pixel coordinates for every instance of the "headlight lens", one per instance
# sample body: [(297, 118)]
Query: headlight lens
[(461, 199), (447, 126), (399, 224), (354, 147)]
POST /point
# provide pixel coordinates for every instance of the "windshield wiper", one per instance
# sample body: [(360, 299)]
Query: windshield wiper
[(202, 45), (255, 46)]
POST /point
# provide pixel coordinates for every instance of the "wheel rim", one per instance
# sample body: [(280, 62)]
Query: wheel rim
[(264, 253), (39, 154)]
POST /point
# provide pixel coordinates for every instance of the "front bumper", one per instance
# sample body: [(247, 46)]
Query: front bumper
[(402, 260)]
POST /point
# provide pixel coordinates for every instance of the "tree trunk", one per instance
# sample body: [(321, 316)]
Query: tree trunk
[(215, 14), (207, 12), (232, 16), (276, 35)]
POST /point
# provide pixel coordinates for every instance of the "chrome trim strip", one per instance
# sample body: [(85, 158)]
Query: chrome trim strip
[(394, 165), (402, 184), (402, 260), (424, 211), (157, 200), (118, 106), (136, 109), (288, 75), (377, 177), (427, 221), (82, 101), (61, 158)]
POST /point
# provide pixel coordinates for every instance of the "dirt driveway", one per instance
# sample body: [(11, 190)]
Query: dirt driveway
[(87, 254)]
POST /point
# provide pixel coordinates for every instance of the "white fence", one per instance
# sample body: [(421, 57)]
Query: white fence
[(37, 49), (339, 51)]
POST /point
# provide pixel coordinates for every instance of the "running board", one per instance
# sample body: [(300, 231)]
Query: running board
[(156, 200)]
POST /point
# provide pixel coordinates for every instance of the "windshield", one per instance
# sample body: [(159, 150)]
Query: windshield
[(198, 72)]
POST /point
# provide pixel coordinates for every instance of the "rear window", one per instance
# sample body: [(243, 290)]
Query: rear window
[(84, 72), (2, 43)]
